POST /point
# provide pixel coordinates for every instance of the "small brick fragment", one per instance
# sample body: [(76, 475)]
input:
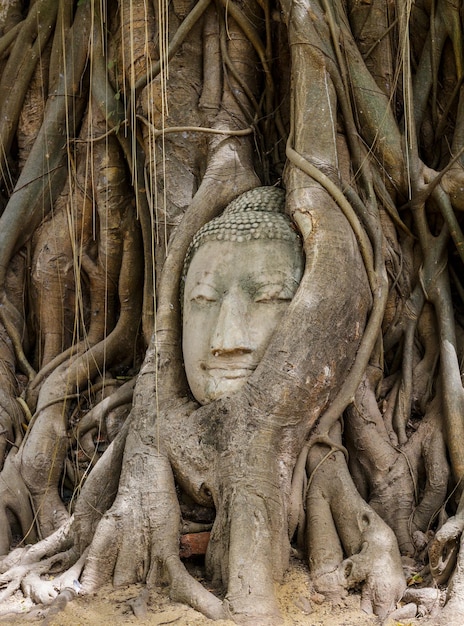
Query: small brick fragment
[(193, 544)]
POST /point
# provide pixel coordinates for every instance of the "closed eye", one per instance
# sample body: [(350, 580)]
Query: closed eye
[(203, 293), (274, 293), (265, 299), (201, 298)]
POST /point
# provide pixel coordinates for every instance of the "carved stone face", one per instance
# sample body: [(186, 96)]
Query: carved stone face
[(235, 295)]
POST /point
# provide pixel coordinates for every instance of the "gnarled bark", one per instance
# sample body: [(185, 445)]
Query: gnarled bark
[(356, 109)]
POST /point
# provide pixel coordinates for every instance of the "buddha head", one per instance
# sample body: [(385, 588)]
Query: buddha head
[(240, 273)]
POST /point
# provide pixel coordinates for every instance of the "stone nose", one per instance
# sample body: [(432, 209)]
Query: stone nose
[(231, 333)]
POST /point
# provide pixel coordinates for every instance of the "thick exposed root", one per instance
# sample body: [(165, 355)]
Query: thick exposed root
[(399, 478), (11, 414), (44, 591), (155, 521), (28, 577), (340, 521), (30, 562), (59, 541), (15, 501), (452, 613), (377, 567), (184, 588), (423, 602), (444, 549), (241, 547)]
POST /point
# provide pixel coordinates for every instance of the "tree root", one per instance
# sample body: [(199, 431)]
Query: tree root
[(156, 523), (36, 558), (406, 484), (446, 556), (428, 600), (184, 588), (43, 591), (340, 521), (444, 548), (28, 577), (243, 550), (59, 541), (14, 501)]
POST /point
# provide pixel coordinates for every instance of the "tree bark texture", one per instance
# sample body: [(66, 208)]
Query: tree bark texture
[(124, 128)]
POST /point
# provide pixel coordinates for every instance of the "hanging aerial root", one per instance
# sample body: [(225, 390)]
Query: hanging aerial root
[(44, 173), (16, 76)]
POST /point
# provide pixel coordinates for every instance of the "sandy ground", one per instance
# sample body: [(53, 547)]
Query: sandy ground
[(111, 607)]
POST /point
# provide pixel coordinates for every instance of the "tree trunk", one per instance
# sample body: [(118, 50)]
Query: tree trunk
[(125, 129)]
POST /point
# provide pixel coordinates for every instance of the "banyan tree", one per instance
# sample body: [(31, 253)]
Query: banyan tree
[(133, 133)]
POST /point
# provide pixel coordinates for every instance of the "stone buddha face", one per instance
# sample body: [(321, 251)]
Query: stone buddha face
[(239, 280)]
